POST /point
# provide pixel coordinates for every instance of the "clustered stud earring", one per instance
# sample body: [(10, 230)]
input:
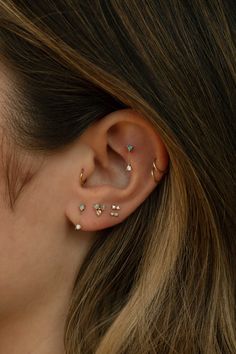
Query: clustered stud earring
[(129, 166), (155, 170), (99, 208), (114, 207)]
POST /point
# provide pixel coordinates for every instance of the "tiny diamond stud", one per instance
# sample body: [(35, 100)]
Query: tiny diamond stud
[(82, 207), (129, 167), (130, 147), (99, 208), (77, 227)]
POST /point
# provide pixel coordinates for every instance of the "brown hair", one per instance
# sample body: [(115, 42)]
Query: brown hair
[(163, 281)]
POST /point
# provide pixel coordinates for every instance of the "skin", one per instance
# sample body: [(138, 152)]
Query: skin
[(40, 250)]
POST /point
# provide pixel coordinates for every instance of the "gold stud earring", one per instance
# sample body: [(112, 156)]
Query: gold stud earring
[(82, 180), (129, 166), (99, 208), (114, 207)]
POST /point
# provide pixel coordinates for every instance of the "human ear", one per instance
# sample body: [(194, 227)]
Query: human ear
[(124, 159)]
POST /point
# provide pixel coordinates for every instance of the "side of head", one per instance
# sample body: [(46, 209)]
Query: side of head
[(81, 81)]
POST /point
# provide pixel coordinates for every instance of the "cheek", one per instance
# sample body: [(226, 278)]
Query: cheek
[(30, 252)]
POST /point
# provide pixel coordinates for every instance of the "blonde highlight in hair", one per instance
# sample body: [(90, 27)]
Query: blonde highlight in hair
[(162, 281)]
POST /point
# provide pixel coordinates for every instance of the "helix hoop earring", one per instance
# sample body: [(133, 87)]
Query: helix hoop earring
[(155, 170), (82, 180)]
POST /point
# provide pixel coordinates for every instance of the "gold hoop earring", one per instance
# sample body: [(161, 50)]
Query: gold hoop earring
[(82, 181), (156, 169)]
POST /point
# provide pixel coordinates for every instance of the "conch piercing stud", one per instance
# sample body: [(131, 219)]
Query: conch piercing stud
[(77, 227), (129, 166), (82, 180), (99, 208), (155, 170)]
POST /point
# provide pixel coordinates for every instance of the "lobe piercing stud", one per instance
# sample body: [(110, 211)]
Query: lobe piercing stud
[(82, 207), (99, 208), (114, 214), (77, 227)]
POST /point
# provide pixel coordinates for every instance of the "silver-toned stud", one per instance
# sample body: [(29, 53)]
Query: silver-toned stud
[(129, 167), (82, 207), (77, 227), (114, 214), (130, 147), (99, 208)]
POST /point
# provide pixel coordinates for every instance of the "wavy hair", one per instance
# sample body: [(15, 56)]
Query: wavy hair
[(162, 281)]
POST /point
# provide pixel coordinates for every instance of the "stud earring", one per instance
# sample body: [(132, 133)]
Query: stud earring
[(114, 207), (82, 180), (77, 227), (129, 166), (114, 214), (82, 207), (130, 147), (155, 170), (99, 208)]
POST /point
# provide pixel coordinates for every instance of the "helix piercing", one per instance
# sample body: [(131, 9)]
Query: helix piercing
[(156, 169), (82, 180)]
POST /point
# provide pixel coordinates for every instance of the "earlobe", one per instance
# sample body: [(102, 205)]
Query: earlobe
[(129, 160)]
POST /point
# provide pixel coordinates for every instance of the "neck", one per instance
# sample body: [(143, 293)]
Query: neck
[(38, 330)]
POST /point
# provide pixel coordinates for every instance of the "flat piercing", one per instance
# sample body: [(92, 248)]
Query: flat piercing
[(82, 181)]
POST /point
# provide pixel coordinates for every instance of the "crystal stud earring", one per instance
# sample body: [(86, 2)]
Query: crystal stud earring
[(99, 208), (82, 207), (114, 207), (129, 166)]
